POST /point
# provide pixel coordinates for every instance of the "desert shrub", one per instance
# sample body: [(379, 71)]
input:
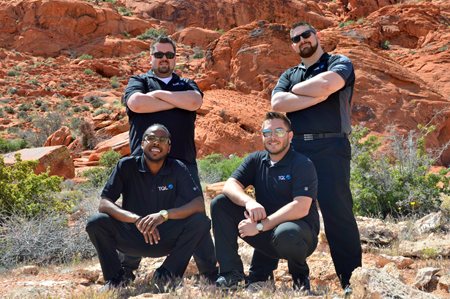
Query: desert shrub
[(22, 192), (12, 145), (124, 11), (98, 176), (45, 126), (43, 239), (215, 167), (24, 106), (101, 111), (95, 101), (85, 57), (152, 33), (88, 72), (88, 139), (115, 82), (198, 53), (396, 184)]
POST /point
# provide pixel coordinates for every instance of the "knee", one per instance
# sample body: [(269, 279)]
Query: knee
[(218, 203), (199, 222), (288, 243), (97, 221)]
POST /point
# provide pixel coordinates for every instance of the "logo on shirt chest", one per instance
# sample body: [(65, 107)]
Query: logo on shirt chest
[(285, 177), (166, 187)]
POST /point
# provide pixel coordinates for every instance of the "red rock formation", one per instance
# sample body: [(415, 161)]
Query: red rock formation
[(56, 159), (61, 137), (195, 37)]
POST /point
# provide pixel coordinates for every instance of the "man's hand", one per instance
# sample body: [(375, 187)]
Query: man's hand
[(247, 228), (147, 226), (255, 211)]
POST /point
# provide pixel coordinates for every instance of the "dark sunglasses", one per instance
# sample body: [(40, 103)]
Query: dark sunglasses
[(279, 132), (160, 55), (304, 35), (153, 139)]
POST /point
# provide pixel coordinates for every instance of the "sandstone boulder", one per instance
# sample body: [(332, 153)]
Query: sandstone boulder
[(63, 136), (426, 278), (375, 231), (55, 158), (375, 283), (119, 143), (430, 247), (195, 37)]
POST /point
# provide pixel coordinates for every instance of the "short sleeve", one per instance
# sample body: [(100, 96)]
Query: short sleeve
[(341, 65), (304, 179), (246, 172), (135, 84), (114, 186), (283, 84), (187, 189), (194, 86)]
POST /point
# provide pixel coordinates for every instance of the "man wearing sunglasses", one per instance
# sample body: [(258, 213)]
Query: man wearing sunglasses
[(161, 96), (162, 213), (316, 94), (281, 222)]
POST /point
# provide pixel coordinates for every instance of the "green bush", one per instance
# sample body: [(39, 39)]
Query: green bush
[(215, 167), (397, 184), (95, 101), (22, 192), (152, 33), (88, 72), (7, 146), (85, 57), (98, 176), (115, 82)]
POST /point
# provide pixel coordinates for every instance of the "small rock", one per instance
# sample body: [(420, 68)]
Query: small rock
[(401, 262), (425, 277), (28, 270), (429, 223), (444, 283)]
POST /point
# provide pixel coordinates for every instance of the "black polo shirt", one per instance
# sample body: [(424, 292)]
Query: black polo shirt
[(144, 193), (331, 115), (277, 185), (180, 122)]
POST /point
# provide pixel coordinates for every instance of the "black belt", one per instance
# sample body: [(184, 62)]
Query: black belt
[(309, 137)]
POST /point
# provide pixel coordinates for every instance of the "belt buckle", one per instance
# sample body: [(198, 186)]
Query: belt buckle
[(308, 137)]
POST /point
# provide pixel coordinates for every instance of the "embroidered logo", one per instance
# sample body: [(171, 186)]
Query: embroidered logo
[(166, 188), (286, 177)]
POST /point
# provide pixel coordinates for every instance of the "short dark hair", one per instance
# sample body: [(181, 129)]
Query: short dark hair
[(158, 126), (277, 115), (302, 23), (163, 39)]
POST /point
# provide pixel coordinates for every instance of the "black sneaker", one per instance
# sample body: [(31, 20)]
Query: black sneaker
[(163, 281), (230, 279), (208, 277), (301, 283), (128, 276)]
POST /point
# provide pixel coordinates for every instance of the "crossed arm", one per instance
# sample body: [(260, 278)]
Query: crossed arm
[(308, 93), (147, 224), (255, 212), (160, 100)]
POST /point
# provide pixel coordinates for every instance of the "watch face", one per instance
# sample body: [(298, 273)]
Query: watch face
[(259, 226), (164, 213)]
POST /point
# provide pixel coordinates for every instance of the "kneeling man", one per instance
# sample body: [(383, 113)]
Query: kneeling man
[(282, 222), (162, 213)]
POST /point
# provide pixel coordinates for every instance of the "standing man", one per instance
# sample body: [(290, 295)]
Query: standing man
[(282, 222), (161, 96), (162, 213), (316, 94)]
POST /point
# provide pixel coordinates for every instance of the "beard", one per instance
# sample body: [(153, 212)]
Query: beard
[(308, 51), (283, 146)]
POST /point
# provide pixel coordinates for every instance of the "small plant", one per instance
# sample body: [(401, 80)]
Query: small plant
[(115, 82), (87, 132), (2, 114), (215, 167), (442, 49), (386, 45), (12, 90), (13, 73), (360, 21), (85, 57), (198, 53), (98, 176), (101, 111), (220, 30), (13, 145), (24, 107), (95, 101), (33, 81), (152, 33), (429, 253), (445, 204), (88, 72), (10, 110), (22, 115), (124, 11), (347, 23)]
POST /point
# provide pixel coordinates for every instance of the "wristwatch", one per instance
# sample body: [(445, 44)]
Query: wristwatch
[(164, 214), (260, 226)]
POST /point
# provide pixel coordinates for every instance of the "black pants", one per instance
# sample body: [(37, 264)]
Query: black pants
[(292, 240), (203, 255), (179, 238), (331, 157)]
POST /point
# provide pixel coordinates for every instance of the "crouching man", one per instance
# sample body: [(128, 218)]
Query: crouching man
[(162, 213), (282, 222)]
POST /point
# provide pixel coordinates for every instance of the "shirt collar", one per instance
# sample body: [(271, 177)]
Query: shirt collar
[(285, 161), (150, 73), (322, 58), (142, 166)]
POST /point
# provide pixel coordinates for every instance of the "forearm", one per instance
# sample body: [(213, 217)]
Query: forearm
[(319, 86), (294, 210), (236, 193), (117, 212), (289, 102), (147, 103), (188, 100), (196, 205)]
